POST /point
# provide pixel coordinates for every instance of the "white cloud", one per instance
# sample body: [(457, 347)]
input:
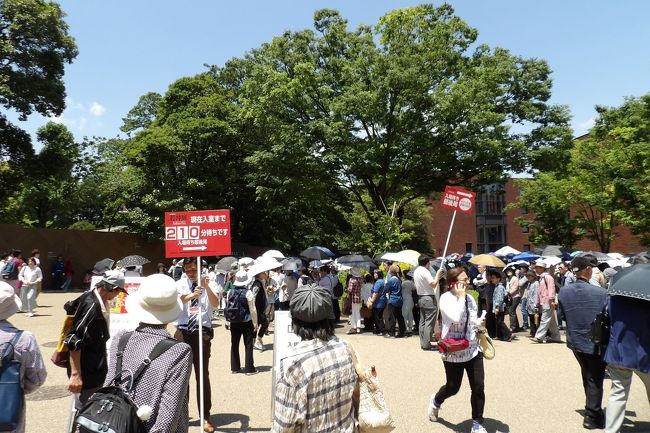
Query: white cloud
[(97, 109), (588, 124), (71, 104)]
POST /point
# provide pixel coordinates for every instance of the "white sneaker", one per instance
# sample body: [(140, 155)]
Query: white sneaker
[(258, 345), (433, 411), (479, 429)]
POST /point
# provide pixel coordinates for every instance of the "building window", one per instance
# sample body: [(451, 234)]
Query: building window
[(525, 229), (526, 247), (524, 211), (468, 247)]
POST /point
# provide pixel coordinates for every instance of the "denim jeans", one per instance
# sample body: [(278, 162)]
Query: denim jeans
[(524, 313)]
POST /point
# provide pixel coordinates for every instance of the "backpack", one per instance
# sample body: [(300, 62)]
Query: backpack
[(337, 291), (12, 394), (9, 271), (235, 311), (111, 409)]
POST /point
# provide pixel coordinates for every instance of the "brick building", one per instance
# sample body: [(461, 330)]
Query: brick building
[(491, 228)]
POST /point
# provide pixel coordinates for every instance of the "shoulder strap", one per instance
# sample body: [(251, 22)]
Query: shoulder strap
[(9, 350), (466, 315), (120, 352), (161, 347)]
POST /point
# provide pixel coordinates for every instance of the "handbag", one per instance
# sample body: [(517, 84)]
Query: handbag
[(456, 344), (599, 330), (371, 409), (61, 355), (487, 347)]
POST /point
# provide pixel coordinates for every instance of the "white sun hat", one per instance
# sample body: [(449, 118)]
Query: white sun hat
[(156, 302)]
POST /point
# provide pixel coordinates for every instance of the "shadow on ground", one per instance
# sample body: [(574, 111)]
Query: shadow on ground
[(222, 423), (491, 425)]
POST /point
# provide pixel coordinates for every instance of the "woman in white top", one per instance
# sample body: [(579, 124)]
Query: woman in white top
[(460, 321), (30, 276)]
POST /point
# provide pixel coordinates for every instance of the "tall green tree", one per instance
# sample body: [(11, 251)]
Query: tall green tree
[(34, 47), (606, 182), (51, 179), (392, 113)]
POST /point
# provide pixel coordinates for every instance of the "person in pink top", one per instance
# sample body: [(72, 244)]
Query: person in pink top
[(546, 302)]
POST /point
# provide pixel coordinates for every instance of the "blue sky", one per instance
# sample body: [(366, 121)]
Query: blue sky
[(598, 50)]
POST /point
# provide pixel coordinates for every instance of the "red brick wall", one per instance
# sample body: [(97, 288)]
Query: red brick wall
[(464, 230)]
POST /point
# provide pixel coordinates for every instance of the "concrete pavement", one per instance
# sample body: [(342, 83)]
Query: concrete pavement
[(529, 387)]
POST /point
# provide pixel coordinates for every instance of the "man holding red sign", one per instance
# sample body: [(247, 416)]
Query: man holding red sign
[(193, 291)]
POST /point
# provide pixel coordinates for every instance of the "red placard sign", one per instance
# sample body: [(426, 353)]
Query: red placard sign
[(197, 233), (458, 199)]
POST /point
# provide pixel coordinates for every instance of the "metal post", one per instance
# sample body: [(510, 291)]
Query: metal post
[(201, 390), (444, 253)]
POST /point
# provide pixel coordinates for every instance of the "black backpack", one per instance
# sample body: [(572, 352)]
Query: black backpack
[(11, 389), (111, 409), (337, 291), (236, 311)]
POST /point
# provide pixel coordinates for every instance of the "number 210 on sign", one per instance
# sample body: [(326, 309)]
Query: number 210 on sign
[(181, 233)]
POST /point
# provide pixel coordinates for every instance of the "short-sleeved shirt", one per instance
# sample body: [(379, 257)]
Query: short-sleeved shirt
[(422, 278), (183, 287), (394, 291), (380, 302)]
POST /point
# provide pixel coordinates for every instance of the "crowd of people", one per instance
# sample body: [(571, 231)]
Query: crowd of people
[(447, 307)]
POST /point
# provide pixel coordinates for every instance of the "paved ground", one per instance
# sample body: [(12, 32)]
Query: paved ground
[(529, 387)]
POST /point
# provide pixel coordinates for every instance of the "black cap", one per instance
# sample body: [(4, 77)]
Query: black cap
[(581, 263)]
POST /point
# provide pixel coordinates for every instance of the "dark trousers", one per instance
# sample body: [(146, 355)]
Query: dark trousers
[(512, 313), (337, 309), (593, 373), (237, 330), (395, 315), (503, 333), (193, 341), (533, 325), (475, 375), (264, 325), (490, 319), (378, 317)]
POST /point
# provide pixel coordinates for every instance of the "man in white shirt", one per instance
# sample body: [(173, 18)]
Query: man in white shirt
[(195, 291), (428, 290)]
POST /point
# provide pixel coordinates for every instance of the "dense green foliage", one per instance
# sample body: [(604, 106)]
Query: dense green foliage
[(330, 136), (34, 47), (606, 182)]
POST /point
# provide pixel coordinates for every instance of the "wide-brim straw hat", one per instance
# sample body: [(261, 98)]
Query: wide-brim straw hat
[(156, 302), (9, 303)]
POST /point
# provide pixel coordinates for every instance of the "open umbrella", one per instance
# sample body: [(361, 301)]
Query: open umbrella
[(266, 264), (356, 261), (133, 260), (487, 260), (225, 263), (103, 265), (601, 257), (552, 250), (633, 282), (316, 253), (526, 255), (552, 261), (404, 256), (292, 264), (506, 251), (274, 254)]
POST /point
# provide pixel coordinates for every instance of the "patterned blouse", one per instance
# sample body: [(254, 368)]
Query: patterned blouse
[(164, 384), (354, 289), (314, 389), (454, 317)]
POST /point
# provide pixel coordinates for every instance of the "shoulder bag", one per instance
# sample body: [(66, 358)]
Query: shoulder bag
[(456, 344)]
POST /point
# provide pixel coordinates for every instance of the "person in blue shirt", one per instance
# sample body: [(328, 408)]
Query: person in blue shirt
[(628, 353), (393, 288), (499, 305), (377, 302), (581, 302)]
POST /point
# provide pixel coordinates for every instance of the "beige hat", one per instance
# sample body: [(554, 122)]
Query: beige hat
[(156, 301), (9, 303)]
